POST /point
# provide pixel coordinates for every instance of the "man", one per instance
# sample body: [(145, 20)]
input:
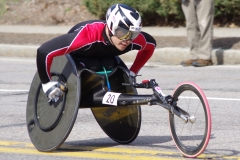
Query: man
[(199, 16), (119, 34)]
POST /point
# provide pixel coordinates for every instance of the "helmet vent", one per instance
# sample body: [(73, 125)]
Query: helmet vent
[(135, 15), (121, 24)]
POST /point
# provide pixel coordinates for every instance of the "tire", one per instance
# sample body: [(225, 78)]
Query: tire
[(49, 125), (192, 137)]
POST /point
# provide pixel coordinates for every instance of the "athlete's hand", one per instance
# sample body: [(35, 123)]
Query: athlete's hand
[(52, 90)]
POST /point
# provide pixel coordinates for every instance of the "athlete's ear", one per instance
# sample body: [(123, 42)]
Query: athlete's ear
[(109, 35)]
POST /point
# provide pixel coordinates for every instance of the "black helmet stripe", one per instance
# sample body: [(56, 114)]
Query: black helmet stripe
[(122, 25), (112, 7), (135, 15), (110, 10), (133, 11), (127, 21)]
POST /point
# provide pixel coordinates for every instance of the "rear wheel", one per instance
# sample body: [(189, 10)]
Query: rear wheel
[(50, 124), (191, 137), (120, 123)]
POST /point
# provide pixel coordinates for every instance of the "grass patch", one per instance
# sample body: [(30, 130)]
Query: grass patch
[(4, 4), (68, 9)]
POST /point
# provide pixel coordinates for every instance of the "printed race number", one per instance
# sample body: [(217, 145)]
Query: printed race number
[(110, 98)]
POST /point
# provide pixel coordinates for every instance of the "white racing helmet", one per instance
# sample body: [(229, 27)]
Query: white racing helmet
[(123, 21)]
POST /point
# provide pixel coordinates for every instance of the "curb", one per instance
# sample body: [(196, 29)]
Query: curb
[(168, 56), (153, 30), (8, 50)]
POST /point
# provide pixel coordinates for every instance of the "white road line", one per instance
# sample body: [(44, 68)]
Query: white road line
[(32, 60), (214, 98), (9, 90), (209, 98), (223, 99)]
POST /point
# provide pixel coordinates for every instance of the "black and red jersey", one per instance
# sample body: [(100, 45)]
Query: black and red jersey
[(89, 39)]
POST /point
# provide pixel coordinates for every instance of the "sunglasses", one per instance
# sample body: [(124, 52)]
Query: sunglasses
[(124, 34)]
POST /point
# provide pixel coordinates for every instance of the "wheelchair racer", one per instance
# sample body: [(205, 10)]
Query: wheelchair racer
[(119, 34)]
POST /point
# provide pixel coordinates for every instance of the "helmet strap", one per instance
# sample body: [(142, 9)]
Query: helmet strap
[(110, 35)]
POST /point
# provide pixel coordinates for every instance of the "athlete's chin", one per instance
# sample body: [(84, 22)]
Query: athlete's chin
[(121, 47)]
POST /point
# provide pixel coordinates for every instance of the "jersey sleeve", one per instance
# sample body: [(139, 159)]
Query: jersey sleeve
[(58, 46), (148, 44)]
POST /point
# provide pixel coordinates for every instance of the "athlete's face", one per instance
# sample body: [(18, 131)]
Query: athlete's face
[(120, 44)]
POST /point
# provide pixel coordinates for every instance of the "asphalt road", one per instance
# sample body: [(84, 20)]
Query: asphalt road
[(87, 140)]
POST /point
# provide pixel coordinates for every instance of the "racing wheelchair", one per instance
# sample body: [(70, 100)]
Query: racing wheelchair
[(115, 104)]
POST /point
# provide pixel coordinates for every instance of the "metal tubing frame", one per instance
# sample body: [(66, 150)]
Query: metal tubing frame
[(127, 99), (130, 100)]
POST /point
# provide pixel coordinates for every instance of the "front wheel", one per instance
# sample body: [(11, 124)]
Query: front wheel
[(191, 137)]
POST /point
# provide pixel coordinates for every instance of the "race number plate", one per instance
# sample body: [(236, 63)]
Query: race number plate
[(110, 98)]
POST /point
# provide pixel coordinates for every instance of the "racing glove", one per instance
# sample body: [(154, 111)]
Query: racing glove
[(52, 90)]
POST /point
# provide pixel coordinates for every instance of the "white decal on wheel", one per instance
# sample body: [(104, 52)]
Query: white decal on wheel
[(159, 90)]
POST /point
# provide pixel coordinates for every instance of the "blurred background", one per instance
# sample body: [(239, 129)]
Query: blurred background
[(33, 22), (70, 12)]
